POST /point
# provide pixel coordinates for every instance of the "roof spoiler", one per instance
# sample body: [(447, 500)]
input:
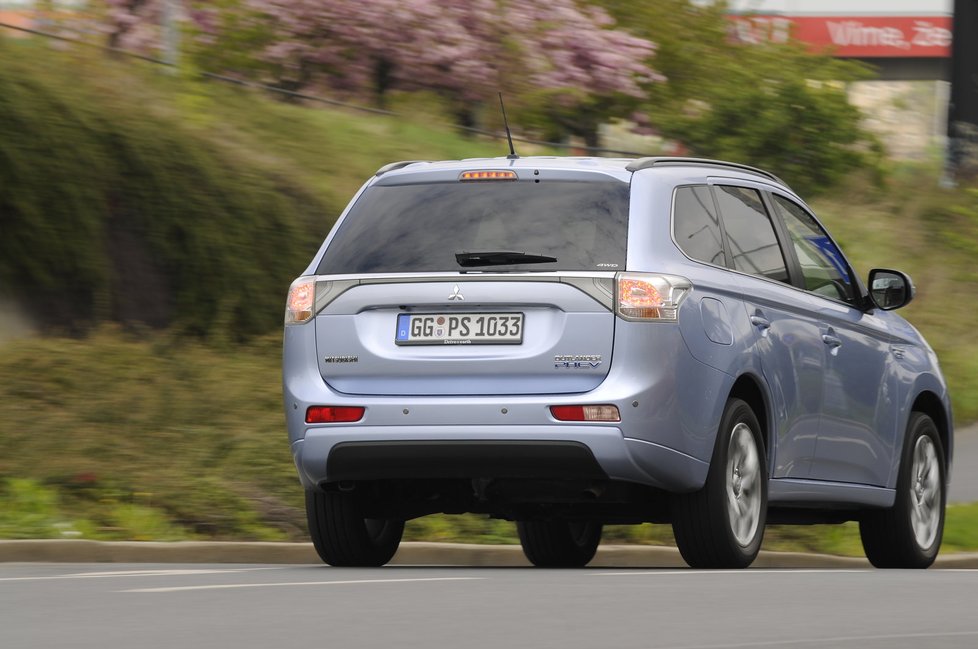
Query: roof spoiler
[(396, 165), (647, 163)]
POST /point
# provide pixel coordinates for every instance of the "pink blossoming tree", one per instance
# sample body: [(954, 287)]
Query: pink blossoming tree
[(562, 59)]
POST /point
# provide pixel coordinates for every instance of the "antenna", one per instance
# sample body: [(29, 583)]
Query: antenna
[(509, 136)]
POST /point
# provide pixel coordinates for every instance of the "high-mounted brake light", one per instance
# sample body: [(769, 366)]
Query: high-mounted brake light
[(585, 413), (300, 305), (488, 175), (333, 414), (648, 297)]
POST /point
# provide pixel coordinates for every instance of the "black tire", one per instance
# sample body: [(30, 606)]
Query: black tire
[(343, 537), (908, 535), (559, 544), (707, 534)]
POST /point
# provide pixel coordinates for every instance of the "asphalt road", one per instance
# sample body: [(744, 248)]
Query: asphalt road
[(243, 606)]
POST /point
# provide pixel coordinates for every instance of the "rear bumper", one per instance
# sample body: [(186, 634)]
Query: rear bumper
[(670, 406), (598, 452)]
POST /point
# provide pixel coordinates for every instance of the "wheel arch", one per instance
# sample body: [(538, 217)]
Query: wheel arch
[(751, 390), (928, 403)]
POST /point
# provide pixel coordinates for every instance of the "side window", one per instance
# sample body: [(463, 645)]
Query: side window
[(750, 233), (697, 226), (822, 265)]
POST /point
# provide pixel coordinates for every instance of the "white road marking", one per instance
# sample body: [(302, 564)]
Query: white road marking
[(752, 571), (830, 641), (168, 572), (142, 573), (286, 584)]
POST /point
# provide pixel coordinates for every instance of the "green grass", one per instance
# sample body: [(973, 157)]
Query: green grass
[(118, 425), (960, 533)]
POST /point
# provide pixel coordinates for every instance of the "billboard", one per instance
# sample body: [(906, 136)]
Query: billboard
[(852, 36)]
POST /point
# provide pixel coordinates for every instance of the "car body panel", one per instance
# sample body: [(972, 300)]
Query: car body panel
[(858, 434), (788, 345)]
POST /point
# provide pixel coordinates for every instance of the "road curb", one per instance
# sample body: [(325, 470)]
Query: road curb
[(413, 553)]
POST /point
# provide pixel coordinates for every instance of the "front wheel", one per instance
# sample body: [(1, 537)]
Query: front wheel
[(559, 543), (908, 535), (722, 524), (341, 534)]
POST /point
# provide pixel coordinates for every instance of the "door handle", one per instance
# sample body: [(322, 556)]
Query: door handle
[(833, 342)]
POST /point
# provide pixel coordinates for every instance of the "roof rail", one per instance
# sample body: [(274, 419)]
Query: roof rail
[(396, 165), (646, 163)]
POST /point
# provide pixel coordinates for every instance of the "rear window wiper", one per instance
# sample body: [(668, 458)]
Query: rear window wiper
[(500, 258)]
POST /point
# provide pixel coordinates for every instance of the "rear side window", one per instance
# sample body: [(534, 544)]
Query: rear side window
[(420, 227), (750, 233), (696, 225), (822, 264)]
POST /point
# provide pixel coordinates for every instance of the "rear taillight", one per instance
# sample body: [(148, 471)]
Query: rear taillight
[(333, 414), (300, 305), (585, 413), (649, 297)]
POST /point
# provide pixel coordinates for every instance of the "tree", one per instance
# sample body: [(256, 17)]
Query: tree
[(775, 105), (557, 53)]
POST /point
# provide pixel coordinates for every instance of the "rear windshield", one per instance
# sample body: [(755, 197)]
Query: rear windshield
[(421, 227)]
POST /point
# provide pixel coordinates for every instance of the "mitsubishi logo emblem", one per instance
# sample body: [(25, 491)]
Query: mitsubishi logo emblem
[(456, 294)]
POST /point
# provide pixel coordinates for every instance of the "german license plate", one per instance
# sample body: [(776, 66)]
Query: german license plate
[(459, 329)]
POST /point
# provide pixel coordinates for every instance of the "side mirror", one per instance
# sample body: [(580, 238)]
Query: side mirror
[(890, 289)]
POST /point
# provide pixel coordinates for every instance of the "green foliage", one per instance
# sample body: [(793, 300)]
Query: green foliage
[(773, 105), (138, 523), (29, 510), (462, 528), (558, 114), (33, 510), (784, 126), (112, 208), (961, 528), (134, 431), (960, 227)]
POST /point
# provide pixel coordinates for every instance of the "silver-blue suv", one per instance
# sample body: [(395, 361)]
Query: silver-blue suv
[(573, 342)]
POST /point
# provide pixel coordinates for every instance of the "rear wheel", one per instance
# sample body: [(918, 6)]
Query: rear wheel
[(722, 524), (908, 535), (343, 537), (560, 543)]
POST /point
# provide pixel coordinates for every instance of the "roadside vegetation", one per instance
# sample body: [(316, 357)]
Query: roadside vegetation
[(136, 435), (150, 227)]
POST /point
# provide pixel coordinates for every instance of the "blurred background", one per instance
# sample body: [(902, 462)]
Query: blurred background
[(167, 167)]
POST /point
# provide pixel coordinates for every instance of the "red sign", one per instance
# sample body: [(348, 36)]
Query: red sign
[(853, 36)]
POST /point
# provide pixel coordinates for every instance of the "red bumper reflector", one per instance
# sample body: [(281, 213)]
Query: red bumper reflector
[(585, 413), (333, 414)]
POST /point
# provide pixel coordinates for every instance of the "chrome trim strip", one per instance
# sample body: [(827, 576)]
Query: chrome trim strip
[(597, 285)]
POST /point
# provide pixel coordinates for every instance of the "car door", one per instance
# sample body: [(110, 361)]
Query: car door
[(787, 339), (858, 424)]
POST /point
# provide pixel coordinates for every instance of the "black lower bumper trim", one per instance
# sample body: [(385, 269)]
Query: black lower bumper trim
[(461, 459)]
